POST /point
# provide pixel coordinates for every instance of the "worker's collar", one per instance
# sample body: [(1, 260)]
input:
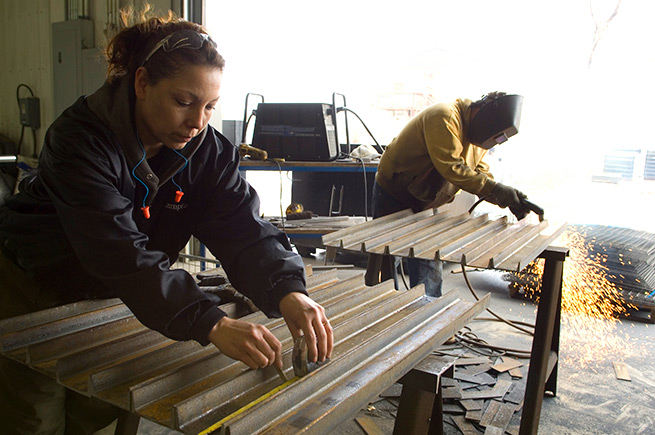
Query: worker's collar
[(466, 111), (113, 103)]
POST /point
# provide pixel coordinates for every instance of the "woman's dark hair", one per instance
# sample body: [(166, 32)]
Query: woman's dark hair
[(127, 50)]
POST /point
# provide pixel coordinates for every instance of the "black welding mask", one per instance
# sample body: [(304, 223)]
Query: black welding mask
[(496, 121)]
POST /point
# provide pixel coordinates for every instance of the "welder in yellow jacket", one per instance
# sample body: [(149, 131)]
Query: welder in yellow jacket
[(435, 155)]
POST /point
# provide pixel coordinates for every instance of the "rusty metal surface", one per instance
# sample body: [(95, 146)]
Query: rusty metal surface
[(318, 403), (99, 349), (473, 240)]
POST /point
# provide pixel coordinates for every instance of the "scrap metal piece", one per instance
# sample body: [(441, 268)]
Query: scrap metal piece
[(299, 357)]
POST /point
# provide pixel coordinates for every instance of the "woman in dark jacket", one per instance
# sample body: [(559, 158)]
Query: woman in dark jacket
[(126, 176)]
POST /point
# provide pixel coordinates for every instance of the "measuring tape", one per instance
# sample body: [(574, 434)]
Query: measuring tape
[(241, 410)]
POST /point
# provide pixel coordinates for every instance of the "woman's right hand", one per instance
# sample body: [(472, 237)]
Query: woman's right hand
[(250, 343)]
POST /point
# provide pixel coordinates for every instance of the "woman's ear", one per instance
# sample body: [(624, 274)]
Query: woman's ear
[(141, 82)]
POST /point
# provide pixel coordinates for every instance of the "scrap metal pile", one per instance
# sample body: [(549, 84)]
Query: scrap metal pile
[(100, 349), (485, 393)]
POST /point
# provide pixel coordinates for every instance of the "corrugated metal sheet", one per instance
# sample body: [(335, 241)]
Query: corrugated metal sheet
[(475, 240), (99, 349), (628, 256), (649, 166)]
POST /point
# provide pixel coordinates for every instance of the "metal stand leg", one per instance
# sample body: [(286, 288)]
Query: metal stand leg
[(420, 411), (330, 255), (128, 423), (380, 268), (542, 375), (373, 268)]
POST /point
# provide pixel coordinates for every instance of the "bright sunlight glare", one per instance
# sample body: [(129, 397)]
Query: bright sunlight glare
[(586, 78)]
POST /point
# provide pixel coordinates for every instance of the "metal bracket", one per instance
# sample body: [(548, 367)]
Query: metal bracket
[(338, 212)]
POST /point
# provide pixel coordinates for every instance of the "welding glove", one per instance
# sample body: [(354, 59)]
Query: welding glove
[(520, 211), (506, 196)]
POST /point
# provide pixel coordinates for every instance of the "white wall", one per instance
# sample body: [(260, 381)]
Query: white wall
[(26, 55)]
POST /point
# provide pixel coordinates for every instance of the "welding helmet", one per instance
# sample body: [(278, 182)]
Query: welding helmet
[(497, 119)]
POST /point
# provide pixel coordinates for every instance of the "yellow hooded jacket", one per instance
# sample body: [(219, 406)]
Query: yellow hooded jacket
[(431, 159)]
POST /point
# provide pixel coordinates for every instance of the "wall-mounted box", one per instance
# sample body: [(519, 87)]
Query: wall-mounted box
[(77, 68), (30, 115)]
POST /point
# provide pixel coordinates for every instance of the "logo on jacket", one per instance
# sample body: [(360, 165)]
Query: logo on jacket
[(176, 207)]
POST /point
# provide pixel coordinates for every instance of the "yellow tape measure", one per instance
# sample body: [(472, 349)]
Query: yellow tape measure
[(241, 410)]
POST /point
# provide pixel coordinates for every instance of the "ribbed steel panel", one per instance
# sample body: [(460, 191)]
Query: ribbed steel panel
[(649, 166), (628, 259), (380, 334), (622, 165), (474, 240)]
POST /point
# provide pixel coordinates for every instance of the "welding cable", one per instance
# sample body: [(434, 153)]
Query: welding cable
[(22, 130), (402, 274), (245, 113), (377, 145), (460, 342), (282, 217), (466, 340), (516, 322), (245, 126), (475, 205), (442, 353), (471, 341), (509, 322), (360, 160)]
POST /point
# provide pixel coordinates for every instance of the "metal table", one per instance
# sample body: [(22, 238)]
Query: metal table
[(99, 349), (482, 242)]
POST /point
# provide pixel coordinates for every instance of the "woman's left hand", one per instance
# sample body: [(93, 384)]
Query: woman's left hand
[(304, 316)]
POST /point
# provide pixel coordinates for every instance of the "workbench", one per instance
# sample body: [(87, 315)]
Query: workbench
[(99, 349), (480, 241), (337, 188), (327, 189), (348, 165), (420, 410), (306, 234)]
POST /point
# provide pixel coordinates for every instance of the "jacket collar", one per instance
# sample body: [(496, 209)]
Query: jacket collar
[(113, 103), (464, 107)]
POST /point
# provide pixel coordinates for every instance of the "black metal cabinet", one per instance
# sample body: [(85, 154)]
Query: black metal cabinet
[(316, 184), (349, 192)]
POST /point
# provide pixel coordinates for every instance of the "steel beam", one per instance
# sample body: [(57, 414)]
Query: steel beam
[(318, 403), (542, 375), (220, 401)]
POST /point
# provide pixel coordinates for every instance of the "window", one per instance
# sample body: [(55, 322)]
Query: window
[(585, 104)]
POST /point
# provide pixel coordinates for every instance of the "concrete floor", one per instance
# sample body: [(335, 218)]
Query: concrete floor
[(590, 399)]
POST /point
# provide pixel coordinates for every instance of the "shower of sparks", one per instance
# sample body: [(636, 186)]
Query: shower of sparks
[(591, 304)]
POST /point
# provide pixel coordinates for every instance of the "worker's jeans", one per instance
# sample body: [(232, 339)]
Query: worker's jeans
[(428, 272), (30, 402)]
